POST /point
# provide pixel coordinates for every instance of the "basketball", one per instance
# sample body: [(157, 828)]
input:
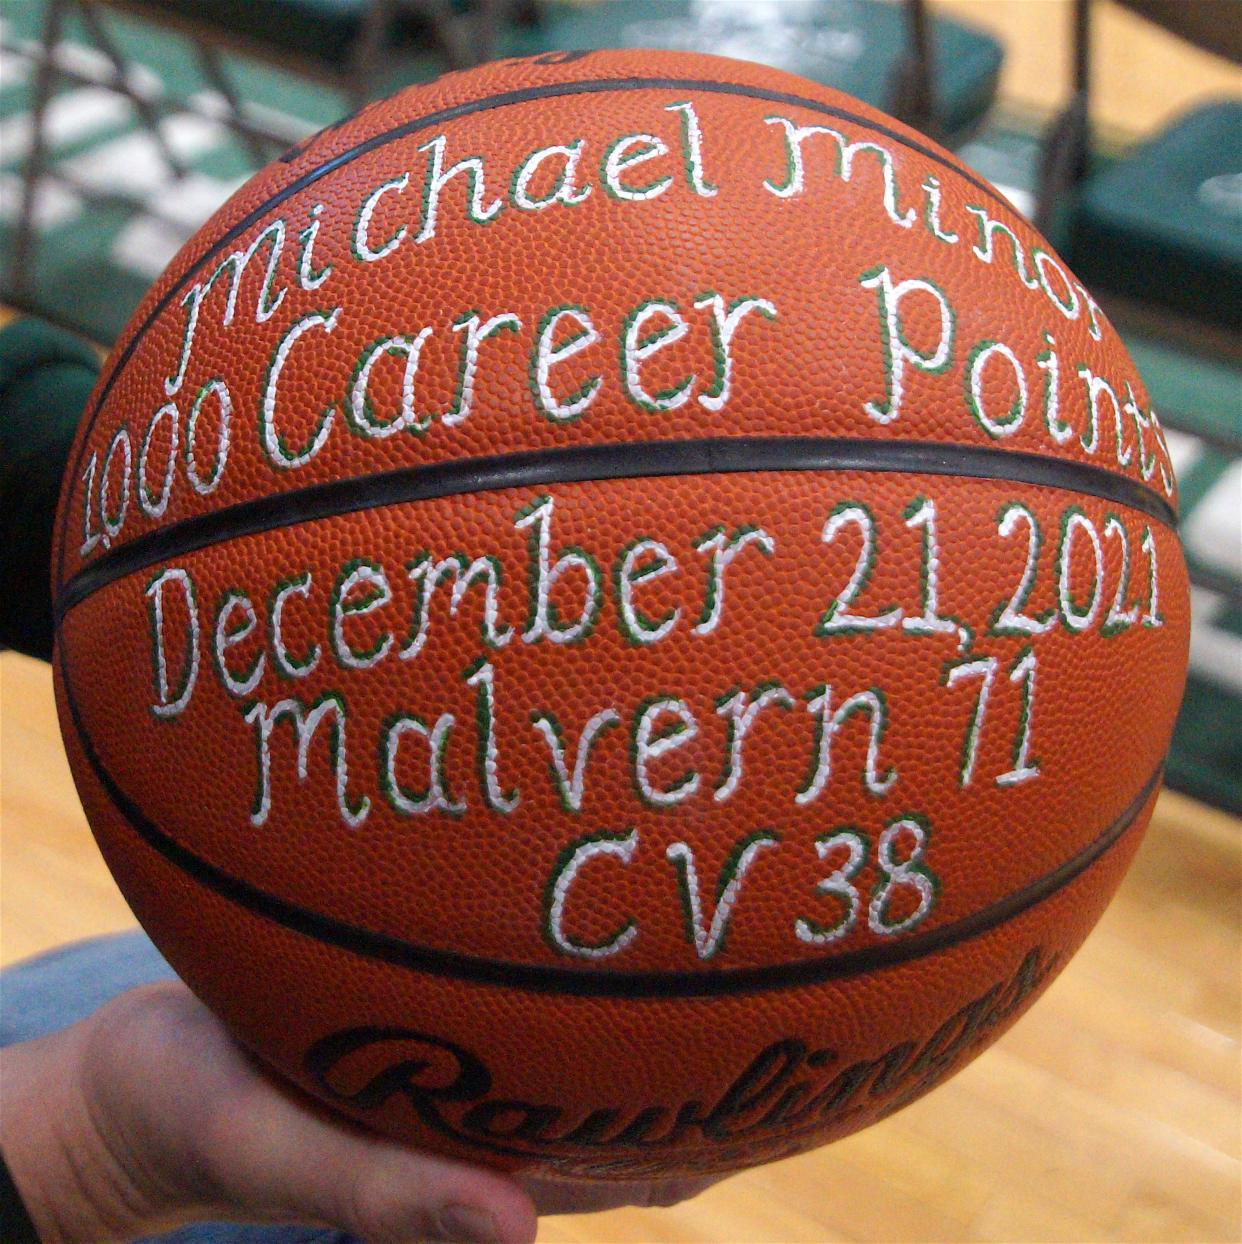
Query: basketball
[(619, 614)]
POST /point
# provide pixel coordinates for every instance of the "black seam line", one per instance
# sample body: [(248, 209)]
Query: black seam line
[(502, 100), (634, 460), (537, 978)]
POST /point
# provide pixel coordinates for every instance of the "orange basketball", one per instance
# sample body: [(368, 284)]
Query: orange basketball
[(619, 614)]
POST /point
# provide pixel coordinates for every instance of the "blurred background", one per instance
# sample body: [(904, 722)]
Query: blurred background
[(1116, 125)]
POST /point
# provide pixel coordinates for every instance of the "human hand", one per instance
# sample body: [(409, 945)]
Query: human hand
[(148, 1115)]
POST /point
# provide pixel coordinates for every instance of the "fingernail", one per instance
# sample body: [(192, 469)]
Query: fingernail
[(465, 1224)]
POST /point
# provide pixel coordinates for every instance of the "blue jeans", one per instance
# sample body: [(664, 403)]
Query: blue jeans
[(60, 987)]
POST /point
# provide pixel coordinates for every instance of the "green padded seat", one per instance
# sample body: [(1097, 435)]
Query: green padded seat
[(325, 30), (46, 375), (1164, 225), (852, 45), (1205, 756)]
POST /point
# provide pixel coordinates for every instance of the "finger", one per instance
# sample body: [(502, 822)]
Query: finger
[(293, 1163)]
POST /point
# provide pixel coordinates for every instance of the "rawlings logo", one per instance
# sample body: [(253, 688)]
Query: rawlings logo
[(786, 1089)]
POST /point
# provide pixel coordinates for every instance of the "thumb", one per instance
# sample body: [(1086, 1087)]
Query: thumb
[(283, 1159)]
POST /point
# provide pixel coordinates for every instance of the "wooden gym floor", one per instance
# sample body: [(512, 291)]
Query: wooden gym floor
[(1111, 1112)]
